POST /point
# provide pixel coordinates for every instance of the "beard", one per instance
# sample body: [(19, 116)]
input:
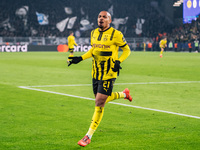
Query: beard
[(100, 26)]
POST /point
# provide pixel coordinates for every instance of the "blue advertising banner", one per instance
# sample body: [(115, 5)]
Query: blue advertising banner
[(191, 10)]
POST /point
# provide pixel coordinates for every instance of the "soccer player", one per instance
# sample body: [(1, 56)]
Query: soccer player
[(71, 43), (163, 44), (105, 41)]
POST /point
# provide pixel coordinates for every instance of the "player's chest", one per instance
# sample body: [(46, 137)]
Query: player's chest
[(102, 38)]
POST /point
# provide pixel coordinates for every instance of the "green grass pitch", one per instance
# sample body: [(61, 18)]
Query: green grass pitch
[(51, 119)]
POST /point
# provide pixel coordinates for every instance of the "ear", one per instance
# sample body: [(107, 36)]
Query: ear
[(110, 20)]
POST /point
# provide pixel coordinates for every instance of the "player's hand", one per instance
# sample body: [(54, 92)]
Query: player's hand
[(117, 66), (75, 60)]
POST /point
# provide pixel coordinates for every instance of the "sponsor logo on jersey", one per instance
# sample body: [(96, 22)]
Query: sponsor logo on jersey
[(101, 46)]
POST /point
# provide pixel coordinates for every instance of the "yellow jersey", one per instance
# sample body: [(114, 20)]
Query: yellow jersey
[(104, 51), (71, 42), (163, 43)]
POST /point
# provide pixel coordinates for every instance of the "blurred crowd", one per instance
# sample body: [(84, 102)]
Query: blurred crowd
[(186, 32), (140, 15), (134, 18), (181, 38)]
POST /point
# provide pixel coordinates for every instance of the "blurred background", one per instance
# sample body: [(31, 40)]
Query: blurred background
[(143, 22)]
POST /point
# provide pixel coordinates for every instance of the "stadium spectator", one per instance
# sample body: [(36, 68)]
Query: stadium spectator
[(190, 46), (170, 45), (152, 24), (176, 47), (149, 45), (29, 26), (196, 44)]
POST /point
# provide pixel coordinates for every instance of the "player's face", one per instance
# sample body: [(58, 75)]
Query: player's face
[(104, 20)]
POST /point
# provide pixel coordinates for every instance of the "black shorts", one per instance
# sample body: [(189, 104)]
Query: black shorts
[(71, 50), (103, 86)]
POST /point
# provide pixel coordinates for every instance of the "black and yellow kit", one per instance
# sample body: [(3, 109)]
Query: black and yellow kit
[(163, 43), (105, 45), (71, 43)]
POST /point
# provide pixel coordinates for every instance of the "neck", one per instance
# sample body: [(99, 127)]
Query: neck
[(103, 29)]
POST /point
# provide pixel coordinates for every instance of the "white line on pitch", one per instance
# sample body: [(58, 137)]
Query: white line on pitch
[(61, 85), (24, 87), (178, 82), (87, 98)]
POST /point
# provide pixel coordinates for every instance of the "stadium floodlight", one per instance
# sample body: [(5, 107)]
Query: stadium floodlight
[(178, 3)]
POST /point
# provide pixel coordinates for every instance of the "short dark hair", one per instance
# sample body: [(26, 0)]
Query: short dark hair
[(70, 32), (164, 37)]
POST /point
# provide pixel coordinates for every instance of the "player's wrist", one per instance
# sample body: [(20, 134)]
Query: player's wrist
[(118, 61)]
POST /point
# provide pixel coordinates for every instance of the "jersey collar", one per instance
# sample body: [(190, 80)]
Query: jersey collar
[(105, 30)]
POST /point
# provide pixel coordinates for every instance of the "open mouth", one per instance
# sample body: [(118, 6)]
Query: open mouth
[(100, 22)]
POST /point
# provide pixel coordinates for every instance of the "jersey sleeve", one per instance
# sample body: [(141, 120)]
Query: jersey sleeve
[(121, 42), (161, 43), (91, 39), (68, 39), (75, 42), (88, 54), (126, 52)]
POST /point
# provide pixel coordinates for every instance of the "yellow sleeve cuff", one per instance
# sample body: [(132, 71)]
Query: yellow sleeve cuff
[(125, 54), (88, 54)]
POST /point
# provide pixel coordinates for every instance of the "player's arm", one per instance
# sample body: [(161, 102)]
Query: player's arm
[(68, 39), (162, 44), (88, 54), (121, 42), (126, 52), (77, 59), (75, 43)]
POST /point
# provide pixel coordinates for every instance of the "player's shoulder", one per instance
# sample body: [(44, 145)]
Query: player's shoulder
[(116, 32), (94, 30)]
